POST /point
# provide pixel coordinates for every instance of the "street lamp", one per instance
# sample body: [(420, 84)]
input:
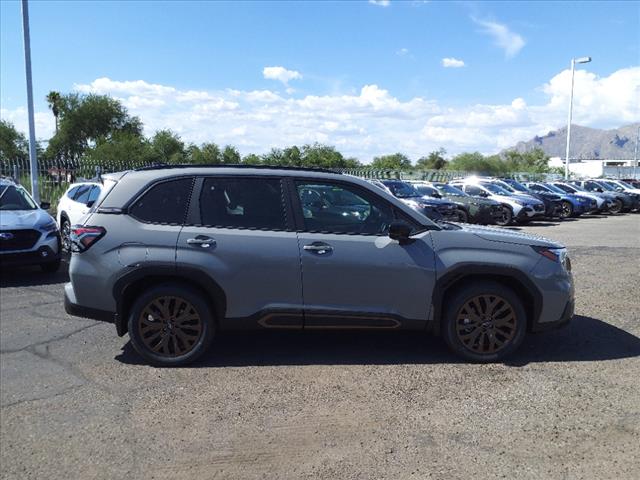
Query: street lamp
[(573, 70)]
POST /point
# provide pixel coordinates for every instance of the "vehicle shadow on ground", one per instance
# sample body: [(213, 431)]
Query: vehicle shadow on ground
[(32, 276), (586, 339)]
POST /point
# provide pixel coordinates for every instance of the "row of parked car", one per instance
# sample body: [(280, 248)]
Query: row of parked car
[(505, 201)]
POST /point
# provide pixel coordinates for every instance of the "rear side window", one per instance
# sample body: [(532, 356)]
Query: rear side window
[(82, 194), (94, 194), (165, 202), (71, 193), (254, 203), (473, 190)]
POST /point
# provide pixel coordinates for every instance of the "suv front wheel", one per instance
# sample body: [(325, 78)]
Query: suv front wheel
[(171, 325), (484, 322)]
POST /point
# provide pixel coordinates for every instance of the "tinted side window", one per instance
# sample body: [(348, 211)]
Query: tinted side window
[(337, 208), (473, 190), (71, 193), (82, 194), (165, 202), (255, 203), (93, 194)]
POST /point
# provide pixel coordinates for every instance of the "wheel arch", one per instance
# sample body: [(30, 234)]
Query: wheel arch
[(129, 286), (468, 273)]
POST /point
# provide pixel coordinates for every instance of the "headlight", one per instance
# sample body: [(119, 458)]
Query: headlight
[(49, 227)]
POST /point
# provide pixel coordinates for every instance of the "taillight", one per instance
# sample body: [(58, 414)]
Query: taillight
[(82, 238)]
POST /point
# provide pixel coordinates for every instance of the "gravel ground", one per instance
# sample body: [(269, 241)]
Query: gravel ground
[(76, 402)]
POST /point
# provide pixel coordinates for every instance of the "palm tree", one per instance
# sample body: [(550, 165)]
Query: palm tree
[(54, 99)]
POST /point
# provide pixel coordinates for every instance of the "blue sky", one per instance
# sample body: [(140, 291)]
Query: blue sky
[(511, 60)]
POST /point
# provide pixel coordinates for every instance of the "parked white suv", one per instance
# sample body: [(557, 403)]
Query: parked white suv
[(28, 234), (74, 204)]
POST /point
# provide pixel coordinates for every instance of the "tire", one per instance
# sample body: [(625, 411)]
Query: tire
[(164, 341), (50, 267), (474, 342), (65, 232), (616, 207), (463, 217), (566, 209), (507, 217)]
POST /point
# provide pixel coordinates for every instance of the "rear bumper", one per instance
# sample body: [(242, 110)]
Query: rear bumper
[(72, 308)]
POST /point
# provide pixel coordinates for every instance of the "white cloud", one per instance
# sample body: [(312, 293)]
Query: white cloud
[(281, 74), (402, 52), (367, 123), (451, 62), (504, 38), (380, 3)]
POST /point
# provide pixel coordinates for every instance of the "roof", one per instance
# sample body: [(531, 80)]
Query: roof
[(241, 166), (6, 181)]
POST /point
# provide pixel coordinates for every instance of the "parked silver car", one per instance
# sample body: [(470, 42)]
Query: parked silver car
[(172, 255), (28, 234)]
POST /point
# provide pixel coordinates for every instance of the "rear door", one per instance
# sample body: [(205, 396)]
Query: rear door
[(353, 274), (240, 235)]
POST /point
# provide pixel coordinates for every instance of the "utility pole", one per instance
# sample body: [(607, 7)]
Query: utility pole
[(635, 153), (573, 71), (33, 160)]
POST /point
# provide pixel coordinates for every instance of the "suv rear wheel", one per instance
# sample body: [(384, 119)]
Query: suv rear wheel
[(171, 325), (484, 322)]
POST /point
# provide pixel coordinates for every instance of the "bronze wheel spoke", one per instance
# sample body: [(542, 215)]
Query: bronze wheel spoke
[(486, 323), (170, 326)]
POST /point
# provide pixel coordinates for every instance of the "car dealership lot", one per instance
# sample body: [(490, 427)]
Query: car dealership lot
[(78, 403)]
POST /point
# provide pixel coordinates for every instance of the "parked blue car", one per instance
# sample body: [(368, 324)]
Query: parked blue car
[(570, 205)]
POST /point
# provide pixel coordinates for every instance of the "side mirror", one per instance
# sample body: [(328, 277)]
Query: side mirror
[(400, 231), (90, 203), (45, 205), (599, 190)]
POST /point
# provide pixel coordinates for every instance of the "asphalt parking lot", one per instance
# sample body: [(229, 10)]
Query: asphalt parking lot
[(76, 402)]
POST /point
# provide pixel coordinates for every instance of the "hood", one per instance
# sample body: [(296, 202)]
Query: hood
[(503, 235), (431, 201), (23, 219), (525, 199)]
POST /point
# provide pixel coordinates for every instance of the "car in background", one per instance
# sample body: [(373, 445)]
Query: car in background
[(591, 185), (552, 202), (518, 208), (623, 187), (434, 208), (571, 205), (634, 182), (604, 203), (28, 234), (470, 209), (73, 205)]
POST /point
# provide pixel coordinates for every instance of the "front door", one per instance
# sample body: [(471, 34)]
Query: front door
[(353, 274), (241, 239)]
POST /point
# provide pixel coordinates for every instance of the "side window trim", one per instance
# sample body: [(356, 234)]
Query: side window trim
[(194, 213), (367, 194)]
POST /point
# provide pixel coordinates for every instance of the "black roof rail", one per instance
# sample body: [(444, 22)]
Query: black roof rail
[(165, 166)]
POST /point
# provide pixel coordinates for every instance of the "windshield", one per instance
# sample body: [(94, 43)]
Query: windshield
[(576, 188), (15, 198), (565, 188), (517, 186), (505, 185), (426, 190), (554, 188), (495, 189), (623, 184), (403, 190), (605, 186), (450, 189)]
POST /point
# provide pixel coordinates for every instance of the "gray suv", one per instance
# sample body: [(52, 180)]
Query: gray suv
[(174, 254)]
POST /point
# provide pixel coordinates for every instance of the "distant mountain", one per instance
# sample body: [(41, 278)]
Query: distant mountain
[(586, 143)]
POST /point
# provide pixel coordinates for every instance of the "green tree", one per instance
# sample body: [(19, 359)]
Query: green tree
[(85, 121), (123, 150), (230, 155), (274, 157), (13, 144), (434, 161), (397, 161), (207, 153), (168, 147), (54, 99), (252, 159), (533, 161)]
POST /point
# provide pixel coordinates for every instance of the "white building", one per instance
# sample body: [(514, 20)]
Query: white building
[(598, 167)]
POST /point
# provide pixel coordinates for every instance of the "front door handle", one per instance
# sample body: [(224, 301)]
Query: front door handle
[(318, 247), (202, 241)]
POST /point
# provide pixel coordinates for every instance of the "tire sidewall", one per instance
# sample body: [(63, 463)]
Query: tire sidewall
[(198, 302), (456, 301), (509, 216), (562, 214)]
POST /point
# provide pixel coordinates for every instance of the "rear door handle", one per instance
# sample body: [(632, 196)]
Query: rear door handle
[(202, 241), (318, 247)]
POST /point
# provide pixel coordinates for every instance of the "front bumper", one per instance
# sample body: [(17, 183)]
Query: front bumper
[(563, 321)]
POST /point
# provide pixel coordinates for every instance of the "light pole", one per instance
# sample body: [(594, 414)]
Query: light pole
[(32, 127), (573, 71), (635, 153)]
